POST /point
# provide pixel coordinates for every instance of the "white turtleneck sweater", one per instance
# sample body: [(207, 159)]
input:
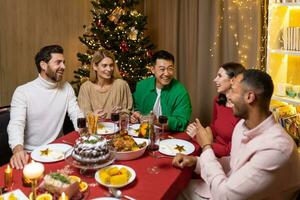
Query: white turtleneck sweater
[(38, 110)]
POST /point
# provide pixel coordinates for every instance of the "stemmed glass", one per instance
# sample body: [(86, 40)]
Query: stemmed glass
[(162, 119), (115, 116), (153, 148)]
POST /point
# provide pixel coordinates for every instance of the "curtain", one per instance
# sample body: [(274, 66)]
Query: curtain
[(202, 34)]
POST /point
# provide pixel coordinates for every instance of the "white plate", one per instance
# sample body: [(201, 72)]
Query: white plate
[(132, 172), (168, 146), (17, 193), (57, 151), (108, 128), (134, 130)]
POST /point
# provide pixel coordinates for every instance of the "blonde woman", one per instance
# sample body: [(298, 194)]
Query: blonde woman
[(106, 92)]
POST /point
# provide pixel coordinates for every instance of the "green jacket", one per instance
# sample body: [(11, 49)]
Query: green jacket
[(175, 102)]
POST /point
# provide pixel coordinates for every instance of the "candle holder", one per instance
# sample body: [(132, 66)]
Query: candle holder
[(8, 178), (33, 171)]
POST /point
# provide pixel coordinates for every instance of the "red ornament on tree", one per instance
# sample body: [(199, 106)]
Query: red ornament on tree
[(99, 24), (124, 46), (149, 54)]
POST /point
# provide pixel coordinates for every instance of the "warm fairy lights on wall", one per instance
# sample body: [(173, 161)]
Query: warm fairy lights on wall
[(239, 16)]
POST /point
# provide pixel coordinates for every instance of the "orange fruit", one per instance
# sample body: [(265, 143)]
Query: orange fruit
[(75, 178), (45, 196), (83, 186)]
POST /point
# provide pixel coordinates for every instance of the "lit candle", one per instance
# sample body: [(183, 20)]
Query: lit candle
[(8, 177), (63, 196), (33, 170)]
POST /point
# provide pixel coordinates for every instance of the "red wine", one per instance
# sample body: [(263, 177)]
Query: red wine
[(162, 119), (81, 123), (115, 117)]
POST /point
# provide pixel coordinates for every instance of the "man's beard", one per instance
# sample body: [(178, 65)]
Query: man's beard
[(53, 76)]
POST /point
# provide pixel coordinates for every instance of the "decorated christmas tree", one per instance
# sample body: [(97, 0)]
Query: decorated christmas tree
[(118, 27)]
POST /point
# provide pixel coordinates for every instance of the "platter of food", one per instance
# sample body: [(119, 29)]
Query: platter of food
[(115, 176), (127, 147), (14, 195), (51, 152), (56, 183), (171, 147)]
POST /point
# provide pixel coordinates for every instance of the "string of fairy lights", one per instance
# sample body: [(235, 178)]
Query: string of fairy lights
[(237, 19)]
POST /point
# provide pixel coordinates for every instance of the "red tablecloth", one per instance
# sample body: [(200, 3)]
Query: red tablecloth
[(164, 185)]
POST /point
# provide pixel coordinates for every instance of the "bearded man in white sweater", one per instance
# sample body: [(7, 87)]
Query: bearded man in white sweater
[(38, 108)]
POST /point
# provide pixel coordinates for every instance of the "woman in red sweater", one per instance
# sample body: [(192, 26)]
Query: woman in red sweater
[(223, 120)]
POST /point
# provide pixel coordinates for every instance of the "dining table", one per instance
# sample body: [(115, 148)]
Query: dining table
[(166, 184)]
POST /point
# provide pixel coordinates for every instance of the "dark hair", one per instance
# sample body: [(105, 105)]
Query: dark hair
[(45, 54), (162, 54), (232, 70), (261, 83)]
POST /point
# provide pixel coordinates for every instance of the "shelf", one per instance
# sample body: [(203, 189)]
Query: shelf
[(286, 52), (289, 100), (287, 4)]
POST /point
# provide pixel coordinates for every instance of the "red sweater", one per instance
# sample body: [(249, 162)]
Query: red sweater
[(222, 125)]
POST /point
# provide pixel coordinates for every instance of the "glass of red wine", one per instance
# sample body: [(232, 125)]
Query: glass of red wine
[(81, 124), (163, 120), (115, 116), (153, 148)]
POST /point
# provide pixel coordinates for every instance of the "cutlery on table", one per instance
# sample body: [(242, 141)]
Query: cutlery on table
[(118, 194)]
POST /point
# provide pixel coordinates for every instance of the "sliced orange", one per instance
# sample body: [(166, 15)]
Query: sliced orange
[(75, 178), (45, 196), (83, 186)]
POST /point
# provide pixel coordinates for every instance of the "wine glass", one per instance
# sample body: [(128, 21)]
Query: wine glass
[(81, 124), (115, 116), (162, 119), (153, 148)]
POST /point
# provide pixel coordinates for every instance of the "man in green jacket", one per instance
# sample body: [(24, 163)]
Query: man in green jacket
[(163, 95)]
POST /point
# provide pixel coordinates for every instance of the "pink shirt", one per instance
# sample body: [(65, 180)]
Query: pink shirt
[(264, 164)]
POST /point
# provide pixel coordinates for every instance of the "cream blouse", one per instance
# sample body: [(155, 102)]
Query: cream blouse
[(91, 99)]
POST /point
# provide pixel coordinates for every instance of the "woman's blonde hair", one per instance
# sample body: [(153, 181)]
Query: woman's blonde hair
[(98, 57)]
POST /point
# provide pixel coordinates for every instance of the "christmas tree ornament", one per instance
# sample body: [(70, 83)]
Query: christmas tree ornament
[(124, 46), (99, 24), (149, 54), (134, 13), (116, 14), (133, 34)]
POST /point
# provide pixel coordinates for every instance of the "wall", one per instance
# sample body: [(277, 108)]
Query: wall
[(28, 25)]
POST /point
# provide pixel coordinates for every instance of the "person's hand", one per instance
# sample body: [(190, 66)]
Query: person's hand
[(19, 158), (100, 113), (191, 130), (135, 117), (181, 161), (116, 109), (204, 136)]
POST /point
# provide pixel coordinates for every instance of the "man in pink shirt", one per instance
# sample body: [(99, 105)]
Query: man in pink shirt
[(263, 163)]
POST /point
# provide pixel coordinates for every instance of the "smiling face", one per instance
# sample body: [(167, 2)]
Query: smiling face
[(53, 70), (237, 96), (222, 81), (104, 69), (164, 72)]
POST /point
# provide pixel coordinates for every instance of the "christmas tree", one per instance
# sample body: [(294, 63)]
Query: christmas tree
[(118, 27)]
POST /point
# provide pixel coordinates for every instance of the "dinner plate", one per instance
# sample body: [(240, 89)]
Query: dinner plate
[(134, 130), (132, 172), (106, 128), (17, 193), (171, 147), (56, 152)]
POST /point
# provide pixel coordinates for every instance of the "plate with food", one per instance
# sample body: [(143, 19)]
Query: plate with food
[(128, 148), (171, 147), (55, 183), (51, 152), (15, 194), (115, 176), (106, 128), (138, 130)]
